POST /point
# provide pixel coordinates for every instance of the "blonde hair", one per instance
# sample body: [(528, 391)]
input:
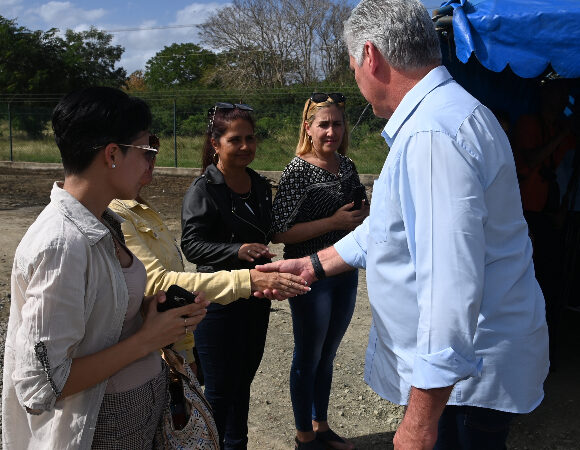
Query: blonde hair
[(310, 109)]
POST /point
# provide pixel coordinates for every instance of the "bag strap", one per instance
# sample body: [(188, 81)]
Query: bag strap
[(177, 366)]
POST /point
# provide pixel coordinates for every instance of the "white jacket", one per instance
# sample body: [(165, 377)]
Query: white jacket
[(69, 299)]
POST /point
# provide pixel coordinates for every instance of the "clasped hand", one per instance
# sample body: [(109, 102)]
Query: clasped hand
[(348, 219)]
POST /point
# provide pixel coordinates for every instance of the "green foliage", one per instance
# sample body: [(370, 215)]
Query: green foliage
[(278, 113), (193, 125), (36, 64), (28, 60), (179, 65), (89, 59)]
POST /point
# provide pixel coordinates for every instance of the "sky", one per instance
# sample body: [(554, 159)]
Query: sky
[(121, 18)]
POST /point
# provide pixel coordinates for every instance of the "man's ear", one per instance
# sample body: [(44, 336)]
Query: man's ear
[(371, 56)]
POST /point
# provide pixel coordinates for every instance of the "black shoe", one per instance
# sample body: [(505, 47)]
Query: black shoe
[(315, 444), (328, 436)]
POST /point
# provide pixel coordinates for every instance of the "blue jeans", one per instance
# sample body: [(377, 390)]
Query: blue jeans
[(230, 343), (472, 428), (319, 320)]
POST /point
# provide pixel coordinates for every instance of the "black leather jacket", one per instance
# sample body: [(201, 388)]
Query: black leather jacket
[(215, 222)]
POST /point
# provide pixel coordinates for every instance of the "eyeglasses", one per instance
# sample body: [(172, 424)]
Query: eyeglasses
[(153, 146), (151, 150), (321, 97), (224, 105)]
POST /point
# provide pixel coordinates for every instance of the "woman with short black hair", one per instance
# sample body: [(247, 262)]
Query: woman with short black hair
[(82, 367)]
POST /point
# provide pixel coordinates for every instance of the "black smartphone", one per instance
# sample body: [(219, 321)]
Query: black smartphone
[(175, 297), (358, 195)]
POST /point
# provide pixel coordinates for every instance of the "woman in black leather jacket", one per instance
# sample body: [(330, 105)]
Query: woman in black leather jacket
[(226, 222)]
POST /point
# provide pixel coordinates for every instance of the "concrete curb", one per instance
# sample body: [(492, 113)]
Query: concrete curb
[(366, 179)]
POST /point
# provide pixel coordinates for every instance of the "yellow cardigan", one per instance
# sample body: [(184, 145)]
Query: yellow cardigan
[(149, 239)]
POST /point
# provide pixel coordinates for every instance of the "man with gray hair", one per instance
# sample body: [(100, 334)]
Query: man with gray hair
[(459, 332)]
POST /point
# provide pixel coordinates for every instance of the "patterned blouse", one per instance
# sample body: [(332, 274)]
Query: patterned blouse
[(307, 192)]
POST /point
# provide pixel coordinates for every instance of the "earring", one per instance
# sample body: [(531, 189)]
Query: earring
[(216, 158), (114, 165)]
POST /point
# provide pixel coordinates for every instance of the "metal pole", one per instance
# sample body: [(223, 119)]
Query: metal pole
[(175, 131), (10, 132)]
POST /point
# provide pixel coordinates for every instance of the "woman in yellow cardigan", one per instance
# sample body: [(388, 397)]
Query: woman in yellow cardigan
[(147, 236)]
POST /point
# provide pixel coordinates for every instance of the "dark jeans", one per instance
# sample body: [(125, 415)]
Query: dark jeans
[(319, 320), (472, 428), (230, 343)]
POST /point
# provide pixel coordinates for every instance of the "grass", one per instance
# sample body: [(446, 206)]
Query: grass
[(368, 150)]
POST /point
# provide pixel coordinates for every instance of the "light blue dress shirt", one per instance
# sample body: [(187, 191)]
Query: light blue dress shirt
[(448, 259)]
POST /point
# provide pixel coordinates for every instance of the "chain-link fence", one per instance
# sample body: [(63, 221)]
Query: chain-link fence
[(180, 119)]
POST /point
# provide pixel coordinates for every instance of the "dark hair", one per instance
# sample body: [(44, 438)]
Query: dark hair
[(93, 117), (221, 121)]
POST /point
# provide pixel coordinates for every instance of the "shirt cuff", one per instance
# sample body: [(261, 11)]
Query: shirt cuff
[(242, 283), (351, 251), (443, 368)]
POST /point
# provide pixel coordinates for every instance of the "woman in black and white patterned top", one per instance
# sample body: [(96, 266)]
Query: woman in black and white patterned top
[(312, 210)]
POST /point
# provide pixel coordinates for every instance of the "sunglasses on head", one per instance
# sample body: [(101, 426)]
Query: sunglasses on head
[(224, 105), (321, 97)]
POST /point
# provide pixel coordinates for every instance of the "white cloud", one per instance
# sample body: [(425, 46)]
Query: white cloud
[(11, 9), (196, 13), (140, 46), (66, 15)]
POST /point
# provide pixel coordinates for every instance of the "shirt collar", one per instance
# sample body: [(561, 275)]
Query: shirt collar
[(78, 214), (411, 100), (131, 204), (214, 175)]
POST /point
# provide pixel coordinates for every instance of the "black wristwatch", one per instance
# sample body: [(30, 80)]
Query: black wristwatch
[(317, 265)]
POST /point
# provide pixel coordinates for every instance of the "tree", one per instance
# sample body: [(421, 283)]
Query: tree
[(251, 36), (136, 82), (179, 65), (36, 63), (333, 51), (275, 43), (28, 60), (89, 59)]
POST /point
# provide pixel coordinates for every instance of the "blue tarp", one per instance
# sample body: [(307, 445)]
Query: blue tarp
[(529, 35)]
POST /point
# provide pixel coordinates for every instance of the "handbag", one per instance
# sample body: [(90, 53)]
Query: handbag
[(187, 421)]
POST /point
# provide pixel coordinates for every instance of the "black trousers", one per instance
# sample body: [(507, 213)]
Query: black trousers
[(230, 342)]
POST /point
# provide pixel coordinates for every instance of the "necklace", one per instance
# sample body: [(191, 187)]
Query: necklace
[(245, 196)]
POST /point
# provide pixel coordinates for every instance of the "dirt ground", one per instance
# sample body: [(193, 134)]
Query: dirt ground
[(355, 410)]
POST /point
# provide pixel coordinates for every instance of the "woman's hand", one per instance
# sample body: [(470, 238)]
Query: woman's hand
[(157, 331), (276, 286), (165, 328), (250, 252), (345, 219)]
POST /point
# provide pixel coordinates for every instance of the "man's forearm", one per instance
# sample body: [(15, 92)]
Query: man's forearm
[(332, 262), (418, 428)]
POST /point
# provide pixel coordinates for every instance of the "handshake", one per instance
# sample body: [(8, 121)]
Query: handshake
[(290, 277)]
